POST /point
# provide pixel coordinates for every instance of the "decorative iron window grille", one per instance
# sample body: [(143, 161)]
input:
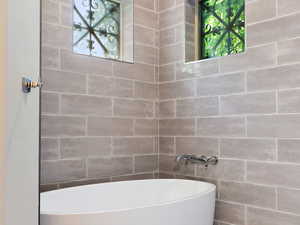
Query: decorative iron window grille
[(221, 27), (96, 28)]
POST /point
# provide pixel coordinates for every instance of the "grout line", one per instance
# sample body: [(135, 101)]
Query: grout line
[(277, 8), (276, 158), (246, 125), (276, 199), (246, 214), (277, 101)]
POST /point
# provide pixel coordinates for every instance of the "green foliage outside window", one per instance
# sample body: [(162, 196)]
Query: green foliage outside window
[(222, 27)]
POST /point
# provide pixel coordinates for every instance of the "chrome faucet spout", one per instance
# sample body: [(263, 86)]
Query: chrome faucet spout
[(193, 159)]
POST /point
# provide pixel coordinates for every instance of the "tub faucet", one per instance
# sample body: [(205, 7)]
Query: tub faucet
[(202, 160)]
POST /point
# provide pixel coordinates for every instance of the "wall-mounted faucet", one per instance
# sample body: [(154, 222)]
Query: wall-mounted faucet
[(202, 160)]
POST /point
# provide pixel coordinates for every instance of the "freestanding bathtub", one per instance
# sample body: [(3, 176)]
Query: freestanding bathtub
[(145, 202)]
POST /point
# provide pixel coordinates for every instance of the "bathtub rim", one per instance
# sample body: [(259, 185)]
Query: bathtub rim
[(212, 189)]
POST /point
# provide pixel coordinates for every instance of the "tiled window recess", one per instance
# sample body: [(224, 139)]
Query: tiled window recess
[(99, 117), (96, 28), (104, 28), (214, 28)]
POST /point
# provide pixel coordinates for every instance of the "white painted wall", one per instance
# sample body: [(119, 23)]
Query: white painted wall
[(19, 159), (2, 73)]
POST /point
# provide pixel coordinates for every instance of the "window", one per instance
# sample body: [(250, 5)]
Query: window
[(221, 27), (96, 28)]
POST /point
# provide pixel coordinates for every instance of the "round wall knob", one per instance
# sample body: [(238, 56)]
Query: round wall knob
[(27, 84)]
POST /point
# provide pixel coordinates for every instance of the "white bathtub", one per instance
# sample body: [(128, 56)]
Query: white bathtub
[(145, 202)]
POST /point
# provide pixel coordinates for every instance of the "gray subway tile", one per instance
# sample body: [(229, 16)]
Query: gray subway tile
[(177, 89), (49, 149), (167, 72), (171, 53), (86, 105), (136, 71), (253, 58), (232, 83), (49, 103), (167, 109), (133, 145), (226, 169), (49, 58), (62, 171), (177, 127), (289, 150), (230, 213), (260, 10), (257, 216), (287, 7), (289, 101), (50, 11), (60, 81), (107, 86), (201, 68), (145, 54), (98, 126), (166, 145), (163, 5), (289, 200), (273, 174), (248, 149), (147, 163), (224, 126), (167, 164), (248, 103), (145, 90), (57, 36), (197, 107), (107, 167), (145, 17), (146, 127), (85, 147), (85, 64), (288, 51), (66, 14), (57, 126), (167, 36), (282, 126), (172, 16), (250, 194), (274, 30), (197, 145), (144, 35), (133, 108), (281, 77)]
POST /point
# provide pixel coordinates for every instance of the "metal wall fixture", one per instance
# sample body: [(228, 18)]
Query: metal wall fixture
[(28, 84), (193, 159)]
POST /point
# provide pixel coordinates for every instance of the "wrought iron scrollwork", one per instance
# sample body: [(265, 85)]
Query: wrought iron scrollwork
[(97, 28), (222, 27)]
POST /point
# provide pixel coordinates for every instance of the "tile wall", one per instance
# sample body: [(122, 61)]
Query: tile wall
[(99, 120), (98, 116), (244, 109)]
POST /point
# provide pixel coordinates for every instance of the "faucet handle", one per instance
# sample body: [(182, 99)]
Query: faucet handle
[(213, 160)]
